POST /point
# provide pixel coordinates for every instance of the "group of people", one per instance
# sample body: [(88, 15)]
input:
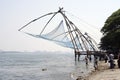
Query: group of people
[(110, 59), (88, 58)]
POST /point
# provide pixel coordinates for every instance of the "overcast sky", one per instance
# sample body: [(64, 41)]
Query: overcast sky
[(16, 13)]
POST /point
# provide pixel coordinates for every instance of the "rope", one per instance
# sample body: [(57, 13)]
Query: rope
[(82, 20)]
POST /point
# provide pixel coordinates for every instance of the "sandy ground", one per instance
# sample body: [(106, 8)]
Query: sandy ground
[(104, 73)]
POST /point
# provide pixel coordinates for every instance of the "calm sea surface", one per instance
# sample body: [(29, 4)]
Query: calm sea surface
[(42, 66)]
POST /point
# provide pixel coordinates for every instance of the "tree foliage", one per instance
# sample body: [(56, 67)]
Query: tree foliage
[(111, 33)]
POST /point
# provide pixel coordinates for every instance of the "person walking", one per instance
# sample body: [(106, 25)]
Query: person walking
[(95, 62), (118, 61), (111, 61), (86, 60)]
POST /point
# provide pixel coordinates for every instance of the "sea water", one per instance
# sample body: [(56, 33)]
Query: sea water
[(42, 66)]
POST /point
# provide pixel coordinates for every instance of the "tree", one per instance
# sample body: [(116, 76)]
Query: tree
[(111, 33)]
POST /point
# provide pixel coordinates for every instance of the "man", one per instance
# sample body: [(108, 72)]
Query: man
[(111, 61)]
